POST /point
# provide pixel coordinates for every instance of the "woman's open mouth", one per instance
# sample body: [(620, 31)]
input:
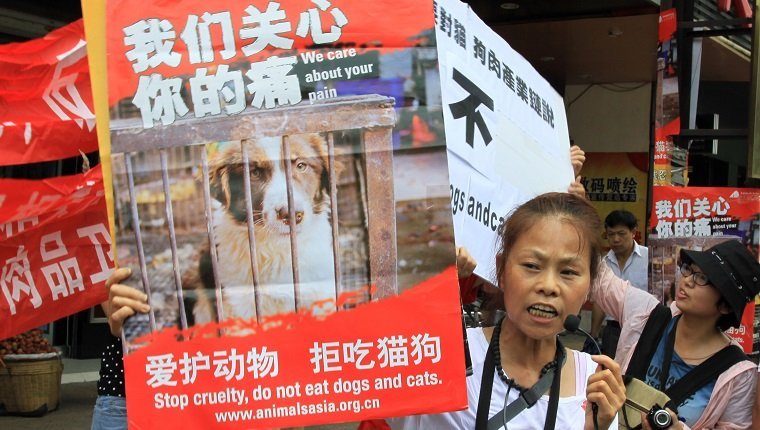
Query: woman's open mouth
[(542, 311)]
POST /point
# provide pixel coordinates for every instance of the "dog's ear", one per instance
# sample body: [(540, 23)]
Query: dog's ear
[(219, 180)]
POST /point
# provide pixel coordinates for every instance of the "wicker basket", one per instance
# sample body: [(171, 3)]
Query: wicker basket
[(30, 386)]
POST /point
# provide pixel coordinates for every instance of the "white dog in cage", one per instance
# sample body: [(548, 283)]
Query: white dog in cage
[(272, 229)]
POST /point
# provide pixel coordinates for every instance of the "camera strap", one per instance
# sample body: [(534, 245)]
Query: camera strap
[(524, 400)]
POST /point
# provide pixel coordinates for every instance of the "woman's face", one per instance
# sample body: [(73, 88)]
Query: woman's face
[(697, 300), (546, 277)]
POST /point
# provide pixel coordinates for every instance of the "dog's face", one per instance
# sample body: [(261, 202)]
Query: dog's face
[(310, 181)]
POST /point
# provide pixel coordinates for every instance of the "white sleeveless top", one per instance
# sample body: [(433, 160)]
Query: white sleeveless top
[(571, 412)]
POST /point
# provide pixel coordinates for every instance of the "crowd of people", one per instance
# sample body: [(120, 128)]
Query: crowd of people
[(549, 264)]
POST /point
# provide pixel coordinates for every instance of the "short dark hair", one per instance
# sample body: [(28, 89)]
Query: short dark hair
[(621, 217)]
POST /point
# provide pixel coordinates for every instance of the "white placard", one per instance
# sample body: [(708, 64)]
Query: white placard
[(506, 129)]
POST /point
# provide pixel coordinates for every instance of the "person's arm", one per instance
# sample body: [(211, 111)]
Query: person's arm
[(123, 301), (609, 292), (738, 413), (597, 317)]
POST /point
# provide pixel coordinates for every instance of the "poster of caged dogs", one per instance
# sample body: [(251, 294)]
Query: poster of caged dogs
[(340, 194)]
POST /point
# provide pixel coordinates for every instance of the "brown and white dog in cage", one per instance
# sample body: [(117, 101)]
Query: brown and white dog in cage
[(272, 228)]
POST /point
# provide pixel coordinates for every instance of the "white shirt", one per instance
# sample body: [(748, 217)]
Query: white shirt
[(635, 269), (571, 413)]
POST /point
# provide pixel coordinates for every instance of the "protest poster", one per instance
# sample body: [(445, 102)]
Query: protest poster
[(55, 247), (506, 130), (46, 102), (231, 122), (698, 218), (618, 180)]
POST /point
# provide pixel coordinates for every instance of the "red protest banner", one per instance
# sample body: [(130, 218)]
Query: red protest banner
[(46, 98), (698, 218), (346, 367), (54, 249)]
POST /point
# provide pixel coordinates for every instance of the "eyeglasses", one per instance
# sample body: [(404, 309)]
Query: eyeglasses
[(699, 277)]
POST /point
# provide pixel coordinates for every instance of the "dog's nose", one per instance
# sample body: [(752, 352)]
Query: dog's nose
[(284, 215)]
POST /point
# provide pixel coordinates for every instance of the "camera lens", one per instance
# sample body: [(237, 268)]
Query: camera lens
[(661, 419)]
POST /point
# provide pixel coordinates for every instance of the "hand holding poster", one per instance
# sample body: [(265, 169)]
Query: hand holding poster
[(506, 129), (257, 190)]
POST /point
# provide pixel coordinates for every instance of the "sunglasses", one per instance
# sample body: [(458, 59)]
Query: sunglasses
[(699, 277)]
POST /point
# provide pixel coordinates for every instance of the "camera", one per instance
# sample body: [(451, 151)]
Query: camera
[(659, 418)]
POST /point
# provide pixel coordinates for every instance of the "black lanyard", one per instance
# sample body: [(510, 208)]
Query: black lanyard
[(667, 356), (526, 399)]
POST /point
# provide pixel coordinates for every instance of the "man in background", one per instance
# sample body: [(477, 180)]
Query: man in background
[(629, 261)]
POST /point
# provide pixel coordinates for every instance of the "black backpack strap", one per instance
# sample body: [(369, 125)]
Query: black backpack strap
[(705, 372), (647, 344)]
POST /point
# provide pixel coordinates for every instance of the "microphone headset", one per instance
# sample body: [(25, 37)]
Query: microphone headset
[(572, 324)]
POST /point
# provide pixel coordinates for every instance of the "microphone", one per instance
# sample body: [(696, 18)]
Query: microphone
[(572, 324)]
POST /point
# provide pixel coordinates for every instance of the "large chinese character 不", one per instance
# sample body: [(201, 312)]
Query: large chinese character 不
[(426, 346), (325, 357), (206, 90), (468, 107), (152, 40), (161, 369), (197, 37), (159, 99), (16, 278), (310, 21), (356, 352), (189, 366), (264, 29), (63, 277), (393, 351), (263, 363), (271, 84)]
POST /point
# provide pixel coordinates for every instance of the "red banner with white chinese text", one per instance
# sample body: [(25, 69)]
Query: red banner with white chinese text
[(55, 249), (346, 367), (46, 98)]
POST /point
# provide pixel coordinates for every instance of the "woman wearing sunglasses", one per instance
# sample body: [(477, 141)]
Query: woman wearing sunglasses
[(714, 287)]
